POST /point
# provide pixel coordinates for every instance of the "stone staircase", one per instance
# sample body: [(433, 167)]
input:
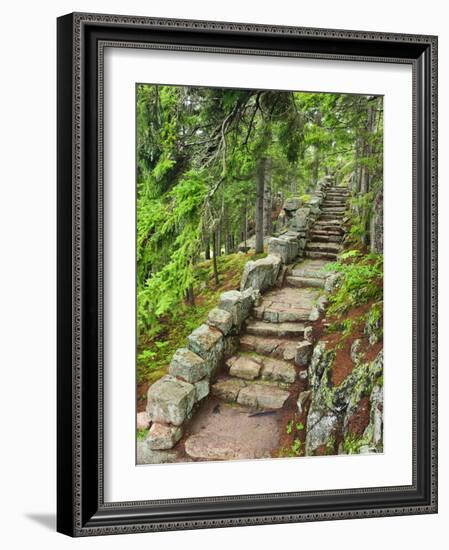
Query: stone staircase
[(264, 378), (273, 350), (327, 233)]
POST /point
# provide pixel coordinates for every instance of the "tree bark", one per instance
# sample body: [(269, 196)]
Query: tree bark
[(260, 185), (244, 235), (267, 199), (190, 296), (207, 249), (214, 258)]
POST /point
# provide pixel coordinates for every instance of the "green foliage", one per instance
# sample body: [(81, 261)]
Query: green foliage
[(361, 281), (293, 450), (352, 444), (157, 346), (142, 434), (197, 154)]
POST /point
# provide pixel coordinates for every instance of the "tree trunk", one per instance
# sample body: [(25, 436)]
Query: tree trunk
[(244, 224), (214, 258), (190, 296), (260, 185), (267, 199), (207, 249), (316, 165), (218, 240)]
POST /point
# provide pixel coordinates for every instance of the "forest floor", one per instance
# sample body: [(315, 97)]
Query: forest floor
[(156, 349)]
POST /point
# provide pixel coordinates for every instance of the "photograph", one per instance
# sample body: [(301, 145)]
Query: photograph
[(259, 274)]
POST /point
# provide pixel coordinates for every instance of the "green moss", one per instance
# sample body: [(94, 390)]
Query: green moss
[(142, 434)]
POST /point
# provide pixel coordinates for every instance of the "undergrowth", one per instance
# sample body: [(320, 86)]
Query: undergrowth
[(157, 345), (361, 280)]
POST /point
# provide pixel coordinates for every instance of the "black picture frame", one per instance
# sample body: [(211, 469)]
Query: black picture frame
[(81, 510)]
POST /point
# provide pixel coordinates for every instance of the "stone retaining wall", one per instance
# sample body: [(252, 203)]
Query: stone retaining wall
[(296, 218), (172, 399)]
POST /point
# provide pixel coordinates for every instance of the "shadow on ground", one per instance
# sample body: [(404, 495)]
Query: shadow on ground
[(46, 520)]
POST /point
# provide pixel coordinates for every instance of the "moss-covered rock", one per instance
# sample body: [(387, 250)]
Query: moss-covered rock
[(333, 409)]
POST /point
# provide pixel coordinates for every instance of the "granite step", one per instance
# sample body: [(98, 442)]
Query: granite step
[(333, 223), (253, 394), (324, 216), (332, 211), (272, 314), (301, 282), (270, 347), (253, 366), (326, 238), (275, 330), (310, 269), (330, 231), (323, 247), (321, 255)]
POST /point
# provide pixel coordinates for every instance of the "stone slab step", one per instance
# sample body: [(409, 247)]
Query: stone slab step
[(326, 238), (301, 282), (331, 231), (275, 330), (227, 388), (270, 347), (261, 367), (321, 255), (287, 304), (332, 210), (255, 394), (331, 216), (277, 370), (337, 190), (323, 247), (272, 315), (333, 202), (262, 396), (310, 268), (244, 366), (335, 223)]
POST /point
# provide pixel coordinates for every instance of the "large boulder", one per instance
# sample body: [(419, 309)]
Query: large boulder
[(321, 432), (202, 388), (170, 400), (231, 301), (221, 319), (162, 437), (208, 343), (188, 365), (262, 396), (285, 247), (300, 220), (261, 274), (292, 204), (303, 353)]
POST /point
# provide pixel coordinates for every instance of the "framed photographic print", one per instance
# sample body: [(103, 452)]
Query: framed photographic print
[(246, 274)]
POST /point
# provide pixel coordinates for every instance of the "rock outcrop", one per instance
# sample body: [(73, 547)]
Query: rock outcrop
[(330, 425)]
